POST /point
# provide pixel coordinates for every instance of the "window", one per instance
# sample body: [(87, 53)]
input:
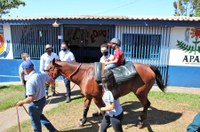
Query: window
[(33, 38), (141, 46)]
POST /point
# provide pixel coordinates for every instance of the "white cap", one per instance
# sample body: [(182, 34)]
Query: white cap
[(48, 46)]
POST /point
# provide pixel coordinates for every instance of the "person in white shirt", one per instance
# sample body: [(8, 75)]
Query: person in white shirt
[(23, 77), (106, 57), (66, 55), (45, 60)]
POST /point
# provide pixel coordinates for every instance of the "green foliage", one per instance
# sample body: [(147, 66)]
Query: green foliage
[(10, 95), (187, 7), (187, 48), (6, 5)]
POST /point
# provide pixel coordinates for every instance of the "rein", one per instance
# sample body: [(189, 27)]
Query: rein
[(18, 120), (74, 72)]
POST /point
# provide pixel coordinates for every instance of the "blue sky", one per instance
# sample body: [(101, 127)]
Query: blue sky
[(92, 7)]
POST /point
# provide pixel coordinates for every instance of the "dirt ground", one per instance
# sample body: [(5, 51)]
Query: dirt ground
[(165, 118), (161, 118)]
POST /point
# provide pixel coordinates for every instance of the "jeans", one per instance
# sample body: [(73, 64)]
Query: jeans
[(116, 122), (46, 90), (37, 118), (52, 85), (110, 66), (67, 85)]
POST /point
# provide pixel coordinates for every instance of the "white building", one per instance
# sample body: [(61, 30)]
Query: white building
[(170, 43)]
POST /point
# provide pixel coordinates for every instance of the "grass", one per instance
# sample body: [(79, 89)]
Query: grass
[(170, 112), (10, 95)]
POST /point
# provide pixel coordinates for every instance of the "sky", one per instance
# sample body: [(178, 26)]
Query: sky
[(36, 8)]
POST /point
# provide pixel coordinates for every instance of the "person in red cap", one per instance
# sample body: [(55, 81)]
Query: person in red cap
[(118, 54)]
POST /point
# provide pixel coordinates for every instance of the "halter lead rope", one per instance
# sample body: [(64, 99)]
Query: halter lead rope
[(18, 121), (74, 71)]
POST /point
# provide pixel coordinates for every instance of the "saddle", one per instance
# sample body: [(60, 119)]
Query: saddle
[(114, 76), (121, 73)]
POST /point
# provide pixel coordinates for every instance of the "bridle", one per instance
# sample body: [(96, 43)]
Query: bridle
[(51, 71), (74, 72)]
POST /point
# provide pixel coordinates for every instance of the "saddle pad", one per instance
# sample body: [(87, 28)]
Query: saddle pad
[(121, 73), (124, 72), (97, 70)]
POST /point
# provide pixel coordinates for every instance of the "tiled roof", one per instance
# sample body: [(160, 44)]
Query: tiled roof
[(171, 18)]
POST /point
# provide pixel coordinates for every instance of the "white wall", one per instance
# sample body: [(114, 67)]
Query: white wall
[(7, 42), (179, 57)]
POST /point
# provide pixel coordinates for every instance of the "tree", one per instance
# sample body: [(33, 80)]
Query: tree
[(187, 7), (6, 5)]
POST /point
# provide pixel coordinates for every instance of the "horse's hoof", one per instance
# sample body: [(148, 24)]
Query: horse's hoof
[(96, 114), (82, 122), (140, 125)]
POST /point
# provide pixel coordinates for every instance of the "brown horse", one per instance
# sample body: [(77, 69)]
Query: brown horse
[(83, 76)]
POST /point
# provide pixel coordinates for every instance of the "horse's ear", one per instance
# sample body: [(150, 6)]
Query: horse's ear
[(54, 63)]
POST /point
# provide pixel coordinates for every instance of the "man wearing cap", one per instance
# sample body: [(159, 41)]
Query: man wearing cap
[(45, 60), (36, 97), (118, 54), (66, 55)]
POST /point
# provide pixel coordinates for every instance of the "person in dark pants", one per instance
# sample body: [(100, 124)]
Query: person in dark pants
[(113, 110), (66, 55), (23, 77), (35, 93)]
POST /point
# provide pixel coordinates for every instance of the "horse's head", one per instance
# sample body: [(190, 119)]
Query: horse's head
[(53, 69)]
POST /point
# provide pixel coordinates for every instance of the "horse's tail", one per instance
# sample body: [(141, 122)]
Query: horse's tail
[(159, 80)]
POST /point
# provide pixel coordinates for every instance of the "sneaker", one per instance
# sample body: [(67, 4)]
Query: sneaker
[(67, 99)]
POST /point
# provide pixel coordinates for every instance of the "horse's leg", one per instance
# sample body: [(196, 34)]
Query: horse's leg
[(99, 103), (85, 111), (142, 96), (143, 115)]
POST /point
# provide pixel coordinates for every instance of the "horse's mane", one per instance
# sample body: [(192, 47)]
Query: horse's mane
[(72, 64)]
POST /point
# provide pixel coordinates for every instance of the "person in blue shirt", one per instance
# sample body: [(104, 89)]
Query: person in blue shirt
[(35, 93), (113, 110)]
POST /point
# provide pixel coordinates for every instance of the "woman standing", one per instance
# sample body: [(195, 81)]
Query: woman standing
[(113, 110)]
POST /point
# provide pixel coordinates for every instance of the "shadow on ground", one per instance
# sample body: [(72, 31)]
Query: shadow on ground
[(155, 117), (3, 87), (60, 97)]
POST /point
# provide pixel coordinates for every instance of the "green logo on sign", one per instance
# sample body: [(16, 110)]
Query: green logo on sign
[(191, 48)]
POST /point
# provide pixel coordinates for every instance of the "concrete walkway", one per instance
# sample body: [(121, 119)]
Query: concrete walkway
[(9, 117)]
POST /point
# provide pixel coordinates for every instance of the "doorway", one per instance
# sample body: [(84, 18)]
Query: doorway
[(85, 41)]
